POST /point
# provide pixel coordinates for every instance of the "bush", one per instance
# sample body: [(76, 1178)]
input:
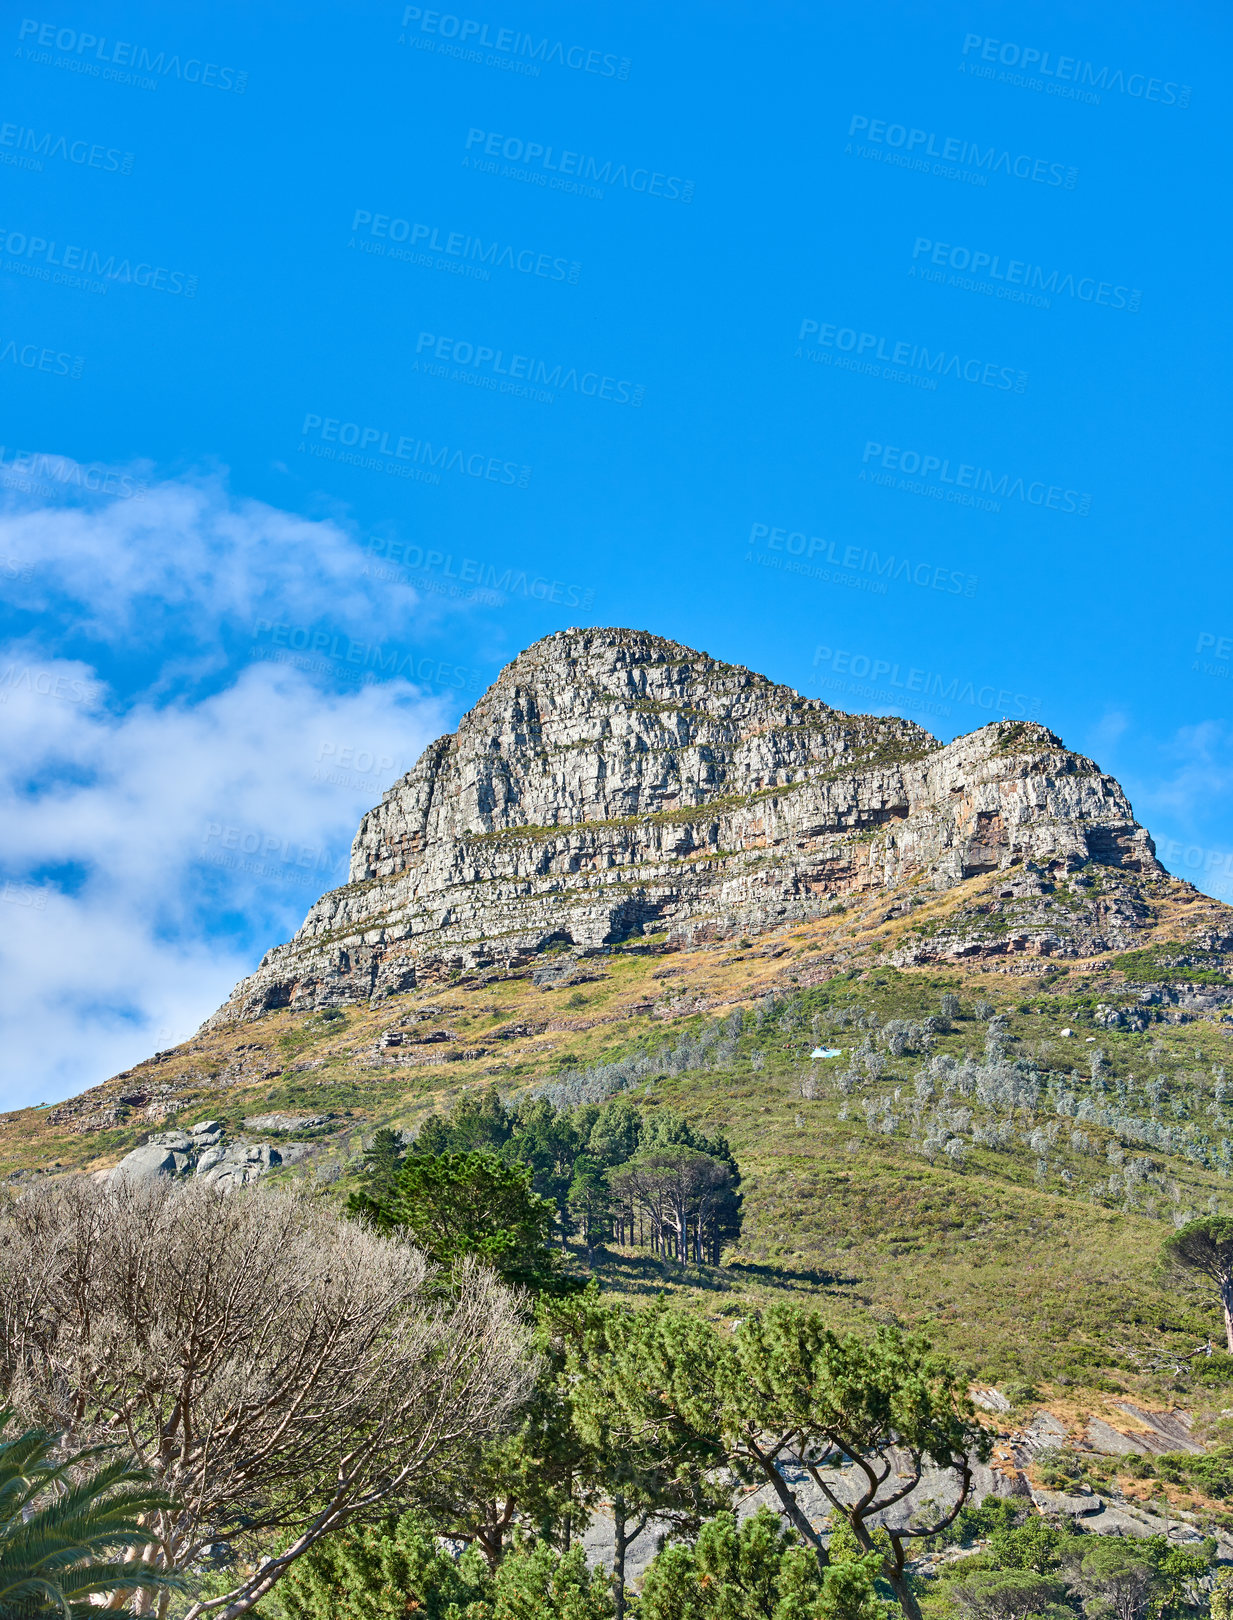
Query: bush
[(391, 1570), (1058, 1468), (1007, 1595), (1212, 1474), (754, 1569), (382, 1572)]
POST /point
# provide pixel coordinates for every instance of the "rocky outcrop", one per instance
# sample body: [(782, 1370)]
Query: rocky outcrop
[(203, 1151), (613, 784)]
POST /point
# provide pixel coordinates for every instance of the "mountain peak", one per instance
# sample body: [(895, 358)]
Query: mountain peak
[(612, 783)]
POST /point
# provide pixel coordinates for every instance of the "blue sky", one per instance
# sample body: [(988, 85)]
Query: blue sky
[(349, 349)]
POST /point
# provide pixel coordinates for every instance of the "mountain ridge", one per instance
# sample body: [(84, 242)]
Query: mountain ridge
[(612, 783)]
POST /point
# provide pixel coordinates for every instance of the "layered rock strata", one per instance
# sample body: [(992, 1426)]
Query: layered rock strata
[(611, 784)]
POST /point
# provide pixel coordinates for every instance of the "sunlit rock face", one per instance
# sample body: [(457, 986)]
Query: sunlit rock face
[(612, 784)]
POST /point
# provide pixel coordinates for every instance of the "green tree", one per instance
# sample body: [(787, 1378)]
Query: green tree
[(538, 1583), (1181, 1576), (388, 1571), (755, 1570), (462, 1204), (1007, 1595), (613, 1133), (478, 1124), (70, 1531), (1115, 1581), (383, 1158), (1203, 1250), (383, 1572), (886, 1408), (784, 1388), (547, 1140), (647, 1463), (589, 1201), (541, 1478), (680, 1193), (667, 1129)]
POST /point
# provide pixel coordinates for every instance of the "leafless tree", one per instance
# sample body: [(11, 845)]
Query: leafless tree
[(279, 1370)]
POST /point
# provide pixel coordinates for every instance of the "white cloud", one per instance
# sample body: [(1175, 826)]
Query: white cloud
[(159, 839), (185, 558), (153, 856)]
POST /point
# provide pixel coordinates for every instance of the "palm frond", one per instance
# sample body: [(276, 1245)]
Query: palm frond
[(63, 1522)]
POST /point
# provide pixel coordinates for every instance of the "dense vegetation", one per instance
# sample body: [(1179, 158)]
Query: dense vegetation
[(991, 1165), (608, 1173)]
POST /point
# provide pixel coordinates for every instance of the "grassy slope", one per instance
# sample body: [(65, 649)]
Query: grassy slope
[(1050, 1283)]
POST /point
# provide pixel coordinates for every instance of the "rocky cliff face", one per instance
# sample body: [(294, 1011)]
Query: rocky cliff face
[(611, 783)]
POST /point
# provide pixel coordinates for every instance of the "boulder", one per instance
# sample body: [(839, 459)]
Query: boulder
[(181, 1141), (148, 1163)]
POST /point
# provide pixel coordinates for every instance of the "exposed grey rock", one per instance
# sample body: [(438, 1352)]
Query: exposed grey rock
[(146, 1163), (245, 1162), (611, 783), (1149, 1434), (991, 1400), (936, 1487), (287, 1122), (1121, 1518), (203, 1153), (1111, 1442), (1042, 1432), (1075, 1504)]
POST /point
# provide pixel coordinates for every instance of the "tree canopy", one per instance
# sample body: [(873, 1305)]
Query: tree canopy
[(276, 1370), (608, 1171), (1204, 1248), (468, 1205)]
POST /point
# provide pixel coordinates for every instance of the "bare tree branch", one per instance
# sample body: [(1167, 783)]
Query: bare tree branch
[(276, 1368)]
